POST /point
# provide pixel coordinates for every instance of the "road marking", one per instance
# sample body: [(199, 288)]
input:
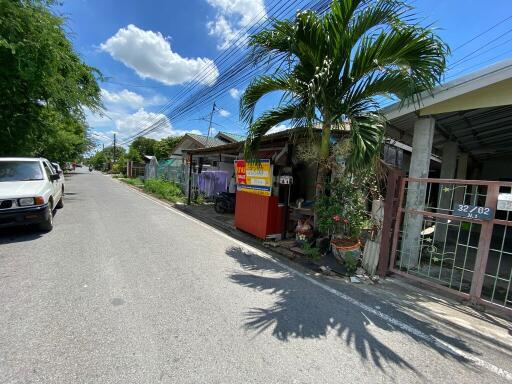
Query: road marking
[(397, 323)]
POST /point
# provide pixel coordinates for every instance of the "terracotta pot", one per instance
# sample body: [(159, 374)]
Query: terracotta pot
[(342, 247)]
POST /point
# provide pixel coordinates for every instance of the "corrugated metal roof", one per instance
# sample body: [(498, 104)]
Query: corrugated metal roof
[(206, 141), (235, 137)]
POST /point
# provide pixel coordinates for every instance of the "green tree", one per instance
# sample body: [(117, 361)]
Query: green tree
[(44, 85), (165, 147), (98, 160), (338, 64), (134, 155), (119, 153), (162, 149), (144, 146)]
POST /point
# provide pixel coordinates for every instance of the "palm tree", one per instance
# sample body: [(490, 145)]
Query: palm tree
[(338, 65)]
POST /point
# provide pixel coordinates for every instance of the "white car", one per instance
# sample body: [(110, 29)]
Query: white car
[(30, 189)]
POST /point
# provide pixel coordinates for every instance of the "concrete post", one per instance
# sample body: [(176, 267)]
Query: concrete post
[(448, 166), (462, 170), (419, 167)]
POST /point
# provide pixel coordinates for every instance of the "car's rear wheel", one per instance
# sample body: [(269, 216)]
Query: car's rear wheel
[(47, 224)]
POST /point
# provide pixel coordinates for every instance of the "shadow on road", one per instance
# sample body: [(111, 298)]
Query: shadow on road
[(297, 313), (71, 174), (19, 234), (22, 233)]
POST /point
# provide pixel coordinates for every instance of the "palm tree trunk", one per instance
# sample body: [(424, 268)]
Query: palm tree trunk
[(322, 166)]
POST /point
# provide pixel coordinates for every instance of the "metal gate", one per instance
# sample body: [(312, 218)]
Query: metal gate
[(454, 235)]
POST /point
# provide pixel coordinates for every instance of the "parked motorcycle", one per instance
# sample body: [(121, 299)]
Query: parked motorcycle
[(224, 202)]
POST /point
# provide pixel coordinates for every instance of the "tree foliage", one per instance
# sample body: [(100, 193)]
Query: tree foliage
[(107, 155), (338, 64), (44, 85), (143, 146), (162, 149), (165, 146)]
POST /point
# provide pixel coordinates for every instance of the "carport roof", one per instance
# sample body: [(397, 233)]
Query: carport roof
[(474, 110)]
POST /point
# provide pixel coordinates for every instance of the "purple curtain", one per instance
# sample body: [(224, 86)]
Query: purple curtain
[(212, 182)]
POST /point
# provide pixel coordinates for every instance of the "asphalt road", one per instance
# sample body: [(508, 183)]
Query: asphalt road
[(124, 290)]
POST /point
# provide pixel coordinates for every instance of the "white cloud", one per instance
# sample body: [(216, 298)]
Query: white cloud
[(235, 93), (224, 113), (232, 16), (132, 124), (128, 99), (150, 55), (124, 97), (125, 125)]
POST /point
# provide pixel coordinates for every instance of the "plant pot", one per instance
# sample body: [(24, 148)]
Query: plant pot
[(342, 247)]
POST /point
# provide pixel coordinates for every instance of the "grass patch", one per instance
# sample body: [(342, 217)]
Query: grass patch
[(164, 189), (136, 182)]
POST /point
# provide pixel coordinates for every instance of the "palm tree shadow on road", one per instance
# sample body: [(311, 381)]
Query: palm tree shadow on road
[(305, 311)]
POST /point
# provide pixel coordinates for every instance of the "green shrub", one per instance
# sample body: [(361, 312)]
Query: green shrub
[(199, 199), (350, 263), (164, 189), (312, 253), (118, 168), (134, 181)]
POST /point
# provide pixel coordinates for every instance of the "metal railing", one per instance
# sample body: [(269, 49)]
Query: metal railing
[(449, 233)]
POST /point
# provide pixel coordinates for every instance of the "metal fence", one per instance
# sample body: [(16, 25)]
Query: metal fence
[(453, 234)]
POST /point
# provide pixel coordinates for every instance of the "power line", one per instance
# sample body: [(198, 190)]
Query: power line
[(482, 33), (479, 64), (191, 101), (481, 53), (481, 47), (210, 69)]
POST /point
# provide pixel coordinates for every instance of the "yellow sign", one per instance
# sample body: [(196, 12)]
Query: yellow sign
[(254, 177)]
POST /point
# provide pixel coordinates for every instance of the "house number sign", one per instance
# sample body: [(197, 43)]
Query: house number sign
[(504, 202), (473, 212)]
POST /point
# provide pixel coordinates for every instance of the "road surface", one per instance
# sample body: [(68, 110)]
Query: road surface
[(125, 290)]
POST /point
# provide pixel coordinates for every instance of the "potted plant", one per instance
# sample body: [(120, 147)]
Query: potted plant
[(342, 215)]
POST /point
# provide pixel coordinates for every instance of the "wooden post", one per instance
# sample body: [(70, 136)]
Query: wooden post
[(484, 244), (390, 212), (189, 197)]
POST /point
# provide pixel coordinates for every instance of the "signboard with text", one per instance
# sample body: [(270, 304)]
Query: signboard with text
[(504, 202), (473, 212), (254, 177)]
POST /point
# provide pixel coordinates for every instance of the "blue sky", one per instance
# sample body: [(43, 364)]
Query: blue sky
[(149, 50)]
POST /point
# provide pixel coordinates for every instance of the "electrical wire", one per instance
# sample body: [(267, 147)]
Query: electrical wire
[(210, 69), (205, 95), (482, 33)]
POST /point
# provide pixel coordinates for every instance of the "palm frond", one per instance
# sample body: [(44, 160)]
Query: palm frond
[(260, 87), (367, 133), (267, 121)]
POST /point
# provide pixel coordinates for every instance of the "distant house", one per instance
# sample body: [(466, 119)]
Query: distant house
[(193, 141)]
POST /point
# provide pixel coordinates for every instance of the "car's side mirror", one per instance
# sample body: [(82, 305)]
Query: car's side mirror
[(54, 177)]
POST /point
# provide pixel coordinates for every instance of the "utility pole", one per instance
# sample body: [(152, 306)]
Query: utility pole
[(210, 124), (114, 148)]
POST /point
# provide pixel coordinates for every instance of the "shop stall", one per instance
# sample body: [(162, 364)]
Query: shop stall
[(257, 211)]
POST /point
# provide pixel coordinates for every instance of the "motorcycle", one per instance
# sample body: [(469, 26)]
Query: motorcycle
[(224, 202)]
